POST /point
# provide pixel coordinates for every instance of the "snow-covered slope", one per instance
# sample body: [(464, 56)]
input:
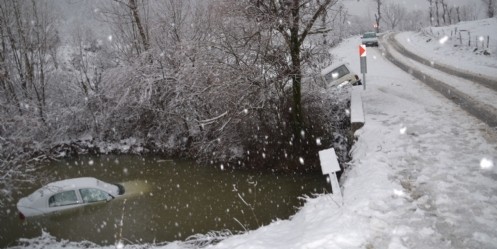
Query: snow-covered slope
[(368, 7), (422, 175), (470, 46)]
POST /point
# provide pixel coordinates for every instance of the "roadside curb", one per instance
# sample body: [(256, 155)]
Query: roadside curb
[(357, 118)]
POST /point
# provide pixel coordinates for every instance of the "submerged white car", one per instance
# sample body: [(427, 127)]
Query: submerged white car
[(67, 194), (339, 76)]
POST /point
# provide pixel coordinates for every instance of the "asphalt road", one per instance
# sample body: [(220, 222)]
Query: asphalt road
[(471, 104)]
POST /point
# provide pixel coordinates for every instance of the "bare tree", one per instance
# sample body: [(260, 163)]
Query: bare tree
[(295, 21), (490, 7), (138, 22), (377, 15), (28, 38), (394, 13), (437, 12), (430, 11), (468, 13), (442, 4), (129, 23), (412, 21)]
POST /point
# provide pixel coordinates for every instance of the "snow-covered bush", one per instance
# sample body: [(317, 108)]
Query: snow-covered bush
[(214, 85)]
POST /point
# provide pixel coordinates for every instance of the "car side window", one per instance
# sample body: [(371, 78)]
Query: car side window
[(93, 195), (63, 199)]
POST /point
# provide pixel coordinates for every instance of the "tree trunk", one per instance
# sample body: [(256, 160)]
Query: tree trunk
[(141, 30), (491, 9), (444, 13), (297, 122), (378, 15), (431, 12), (437, 15)]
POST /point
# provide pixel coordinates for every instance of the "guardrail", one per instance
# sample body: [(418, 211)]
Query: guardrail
[(356, 109)]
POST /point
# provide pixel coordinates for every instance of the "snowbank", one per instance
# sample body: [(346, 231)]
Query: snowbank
[(418, 178), (468, 45)]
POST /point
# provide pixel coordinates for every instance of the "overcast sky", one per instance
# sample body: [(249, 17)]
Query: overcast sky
[(363, 7), (80, 12), (83, 12)]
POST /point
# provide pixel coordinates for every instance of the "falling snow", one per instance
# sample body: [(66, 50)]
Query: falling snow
[(443, 40), (424, 189), (486, 163), (318, 141), (421, 191)]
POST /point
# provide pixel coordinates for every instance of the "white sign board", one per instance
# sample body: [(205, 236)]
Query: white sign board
[(329, 163)]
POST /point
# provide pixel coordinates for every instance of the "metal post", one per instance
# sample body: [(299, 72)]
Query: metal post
[(364, 70), (364, 80)]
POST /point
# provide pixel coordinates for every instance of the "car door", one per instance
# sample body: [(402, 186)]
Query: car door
[(63, 200)]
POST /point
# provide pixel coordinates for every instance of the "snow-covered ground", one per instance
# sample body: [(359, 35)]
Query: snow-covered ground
[(422, 176), (368, 7), (443, 45)]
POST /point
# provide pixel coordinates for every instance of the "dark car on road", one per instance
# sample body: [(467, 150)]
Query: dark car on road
[(370, 39)]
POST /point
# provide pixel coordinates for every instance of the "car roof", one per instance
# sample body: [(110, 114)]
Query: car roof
[(331, 68), (74, 183)]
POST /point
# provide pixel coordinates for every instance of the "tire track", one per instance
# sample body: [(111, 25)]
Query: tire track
[(483, 112), (476, 78)]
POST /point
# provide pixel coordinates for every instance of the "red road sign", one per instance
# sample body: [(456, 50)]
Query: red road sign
[(362, 50)]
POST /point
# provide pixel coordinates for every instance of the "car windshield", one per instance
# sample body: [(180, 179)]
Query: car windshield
[(337, 73), (369, 35)]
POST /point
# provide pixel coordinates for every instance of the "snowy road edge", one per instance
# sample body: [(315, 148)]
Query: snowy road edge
[(476, 78), (483, 112)]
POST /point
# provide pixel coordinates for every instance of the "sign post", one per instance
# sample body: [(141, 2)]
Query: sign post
[(364, 67), (329, 166)]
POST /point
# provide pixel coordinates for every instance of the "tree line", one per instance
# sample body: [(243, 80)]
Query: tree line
[(392, 15), (217, 80)]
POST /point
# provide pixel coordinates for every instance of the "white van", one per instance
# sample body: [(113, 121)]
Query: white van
[(339, 76)]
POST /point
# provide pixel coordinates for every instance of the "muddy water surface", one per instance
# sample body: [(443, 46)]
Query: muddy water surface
[(165, 200)]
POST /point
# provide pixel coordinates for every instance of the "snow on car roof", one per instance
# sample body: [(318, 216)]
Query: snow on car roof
[(81, 182), (76, 182)]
